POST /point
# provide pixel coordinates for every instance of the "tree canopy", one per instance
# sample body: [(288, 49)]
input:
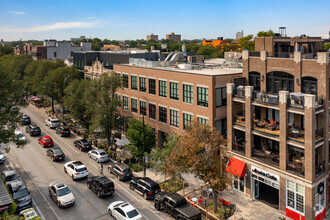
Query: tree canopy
[(247, 43), (269, 33)]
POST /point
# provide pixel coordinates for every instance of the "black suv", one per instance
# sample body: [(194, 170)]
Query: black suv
[(121, 170), (56, 154), (145, 186), (26, 120), (63, 131), (33, 130), (82, 144), (101, 185)]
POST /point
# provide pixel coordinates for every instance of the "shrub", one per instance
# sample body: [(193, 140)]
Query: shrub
[(136, 167), (12, 208), (172, 185)]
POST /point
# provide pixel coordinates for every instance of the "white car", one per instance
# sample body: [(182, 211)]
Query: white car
[(75, 169), (19, 137), (61, 194), (29, 214), (2, 157), (98, 155), (121, 210), (52, 122)]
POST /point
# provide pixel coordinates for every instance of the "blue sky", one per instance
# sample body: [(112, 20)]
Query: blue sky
[(134, 19)]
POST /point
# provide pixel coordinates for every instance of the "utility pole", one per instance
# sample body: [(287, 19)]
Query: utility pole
[(144, 159)]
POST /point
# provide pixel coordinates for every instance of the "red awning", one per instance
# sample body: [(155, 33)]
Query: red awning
[(236, 167)]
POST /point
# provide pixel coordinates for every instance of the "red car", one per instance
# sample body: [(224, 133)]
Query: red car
[(46, 141)]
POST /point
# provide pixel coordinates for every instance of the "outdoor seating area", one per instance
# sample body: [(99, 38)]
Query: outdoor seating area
[(239, 120), (267, 155), (271, 127)]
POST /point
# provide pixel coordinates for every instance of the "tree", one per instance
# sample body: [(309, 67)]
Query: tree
[(247, 43), (269, 33), (192, 47), (5, 50), (135, 136), (201, 151)]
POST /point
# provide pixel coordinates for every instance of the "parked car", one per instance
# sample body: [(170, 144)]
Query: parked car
[(46, 141), (9, 176), (121, 210), (52, 122), (121, 171), (61, 194), (145, 186), (19, 137), (25, 120), (2, 157), (176, 205), (82, 145), (33, 130), (75, 169), (29, 214), (101, 185), (98, 155), (56, 154), (21, 195), (63, 131)]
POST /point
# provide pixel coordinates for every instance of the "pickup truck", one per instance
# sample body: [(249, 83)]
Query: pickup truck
[(176, 206)]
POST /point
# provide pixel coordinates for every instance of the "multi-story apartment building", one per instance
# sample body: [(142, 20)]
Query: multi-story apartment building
[(173, 36), (152, 37), (278, 126)]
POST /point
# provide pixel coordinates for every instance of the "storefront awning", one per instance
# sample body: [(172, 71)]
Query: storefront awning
[(236, 167)]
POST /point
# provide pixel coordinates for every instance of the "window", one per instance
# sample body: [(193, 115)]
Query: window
[(202, 96), (72, 53), (55, 54), (162, 88), (309, 85), (319, 197), (125, 80), (188, 94), (125, 103), (152, 111), (174, 115), (134, 105), (152, 86), (277, 81), (202, 120), (143, 108), (174, 90), (162, 114), (186, 120), (134, 82), (238, 183), (143, 84), (254, 80), (221, 126), (221, 97), (118, 97), (295, 196)]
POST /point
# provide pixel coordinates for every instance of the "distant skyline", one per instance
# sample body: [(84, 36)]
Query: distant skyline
[(134, 19)]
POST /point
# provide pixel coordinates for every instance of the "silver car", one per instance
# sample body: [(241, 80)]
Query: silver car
[(98, 155)]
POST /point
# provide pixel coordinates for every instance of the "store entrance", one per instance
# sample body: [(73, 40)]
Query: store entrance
[(268, 194)]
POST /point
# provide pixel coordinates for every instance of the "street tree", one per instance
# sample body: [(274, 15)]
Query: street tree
[(247, 43), (201, 151), (135, 136)]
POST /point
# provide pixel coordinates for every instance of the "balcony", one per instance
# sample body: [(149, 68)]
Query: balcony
[(239, 92), (239, 142), (267, 156), (265, 98), (298, 135), (320, 168), (239, 120), (296, 162), (271, 127)]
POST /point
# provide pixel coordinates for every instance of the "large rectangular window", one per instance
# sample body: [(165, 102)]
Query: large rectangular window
[(188, 94), (295, 196), (143, 108), (162, 88), (152, 111), (134, 107), (221, 126), (186, 120), (125, 103), (143, 84), (221, 97), (202, 120), (125, 80), (152, 86), (118, 97), (174, 90), (174, 118), (203, 96), (162, 114), (134, 82)]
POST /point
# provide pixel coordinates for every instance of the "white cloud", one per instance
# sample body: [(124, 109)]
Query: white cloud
[(17, 12), (51, 27)]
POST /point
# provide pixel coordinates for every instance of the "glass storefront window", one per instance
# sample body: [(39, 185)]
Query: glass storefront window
[(238, 183), (295, 194)]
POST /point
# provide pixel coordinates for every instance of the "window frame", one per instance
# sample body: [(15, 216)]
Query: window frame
[(202, 96), (134, 83), (162, 114), (143, 108), (295, 193), (134, 105), (152, 112), (143, 84), (152, 86), (187, 122), (223, 98), (125, 81), (126, 100), (162, 88), (174, 90), (174, 118), (188, 94)]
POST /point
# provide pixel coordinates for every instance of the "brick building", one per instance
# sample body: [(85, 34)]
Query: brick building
[(152, 37), (278, 126), (173, 36)]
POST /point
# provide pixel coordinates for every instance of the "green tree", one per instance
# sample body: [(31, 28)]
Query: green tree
[(192, 47), (135, 136), (269, 33), (247, 43), (5, 50)]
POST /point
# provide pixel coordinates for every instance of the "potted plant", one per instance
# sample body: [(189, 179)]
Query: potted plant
[(320, 100)]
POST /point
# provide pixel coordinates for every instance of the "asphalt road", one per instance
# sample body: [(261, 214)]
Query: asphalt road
[(37, 170)]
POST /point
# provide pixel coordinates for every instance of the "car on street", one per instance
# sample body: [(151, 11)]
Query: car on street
[(63, 131), (25, 120), (19, 137), (9, 176), (176, 205), (75, 169), (2, 157), (145, 186), (29, 214), (21, 195), (52, 122), (98, 155), (46, 141), (82, 145), (56, 154), (121, 210), (101, 185), (61, 194), (121, 171), (33, 130)]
